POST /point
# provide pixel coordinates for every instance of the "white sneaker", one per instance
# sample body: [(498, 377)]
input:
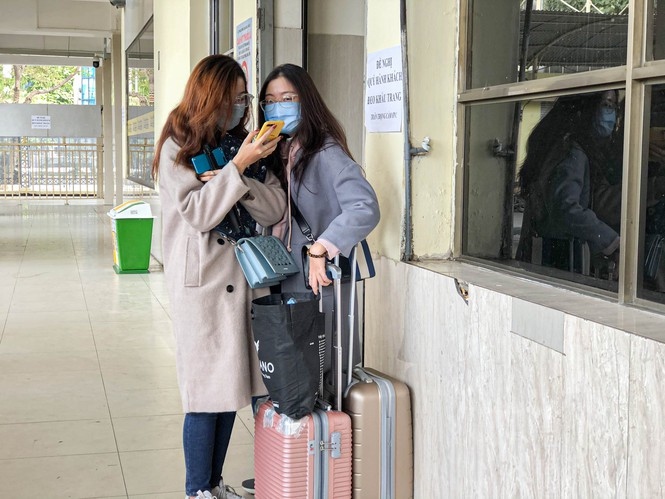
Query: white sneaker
[(225, 492), (203, 495)]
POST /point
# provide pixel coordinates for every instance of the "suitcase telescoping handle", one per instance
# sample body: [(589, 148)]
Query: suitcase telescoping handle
[(336, 275), (353, 260)]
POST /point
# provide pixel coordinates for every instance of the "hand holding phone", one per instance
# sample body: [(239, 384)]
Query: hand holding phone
[(253, 150), (277, 124)]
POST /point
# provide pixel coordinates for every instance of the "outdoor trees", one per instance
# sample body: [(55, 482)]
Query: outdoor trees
[(38, 84)]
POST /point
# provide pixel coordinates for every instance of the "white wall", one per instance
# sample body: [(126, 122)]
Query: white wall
[(287, 32), (66, 121), (178, 49), (336, 63), (384, 156), (136, 15), (336, 18), (433, 46)]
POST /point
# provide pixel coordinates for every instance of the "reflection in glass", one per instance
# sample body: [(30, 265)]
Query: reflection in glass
[(140, 102), (653, 224), (558, 212), (656, 32), (542, 38)]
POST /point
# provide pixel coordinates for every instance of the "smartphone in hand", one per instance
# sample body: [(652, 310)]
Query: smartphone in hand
[(278, 124)]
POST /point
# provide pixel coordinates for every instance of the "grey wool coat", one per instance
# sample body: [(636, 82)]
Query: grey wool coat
[(341, 207), (210, 299)]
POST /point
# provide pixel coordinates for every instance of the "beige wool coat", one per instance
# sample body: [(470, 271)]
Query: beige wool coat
[(210, 300)]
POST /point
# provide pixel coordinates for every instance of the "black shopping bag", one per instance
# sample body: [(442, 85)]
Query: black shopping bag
[(289, 334)]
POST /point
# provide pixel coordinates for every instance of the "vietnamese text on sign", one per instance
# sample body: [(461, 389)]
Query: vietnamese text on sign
[(383, 91)]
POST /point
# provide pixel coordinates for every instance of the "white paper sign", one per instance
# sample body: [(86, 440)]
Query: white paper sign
[(41, 122), (383, 91), (243, 49)]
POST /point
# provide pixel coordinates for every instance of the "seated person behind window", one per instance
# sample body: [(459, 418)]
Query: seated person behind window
[(567, 153)]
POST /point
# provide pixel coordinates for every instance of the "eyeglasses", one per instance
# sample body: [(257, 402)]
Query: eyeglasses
[(609, 105), (609, 102), (243, 100), (285, 100)]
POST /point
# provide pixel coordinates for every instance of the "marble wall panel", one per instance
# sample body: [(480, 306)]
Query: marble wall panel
[(646, 443), (499, 415), (413, 335), (486, 381), (595, 410), (535, 430)]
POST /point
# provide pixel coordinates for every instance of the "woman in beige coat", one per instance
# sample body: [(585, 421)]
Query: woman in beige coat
[(210, 300)]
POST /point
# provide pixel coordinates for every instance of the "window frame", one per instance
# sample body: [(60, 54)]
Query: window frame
[(634, 78)]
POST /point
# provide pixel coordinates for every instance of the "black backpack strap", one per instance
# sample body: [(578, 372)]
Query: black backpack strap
[(302, 223)]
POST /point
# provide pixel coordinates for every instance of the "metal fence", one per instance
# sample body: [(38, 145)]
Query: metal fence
[(50, 167), (140, 153)]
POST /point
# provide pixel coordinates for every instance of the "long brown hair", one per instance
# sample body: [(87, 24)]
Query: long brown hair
[(208, 98), (317, 122)]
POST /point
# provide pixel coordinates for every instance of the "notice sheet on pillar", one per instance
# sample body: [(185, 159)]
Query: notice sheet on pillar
[(244, 50), (383, 91)]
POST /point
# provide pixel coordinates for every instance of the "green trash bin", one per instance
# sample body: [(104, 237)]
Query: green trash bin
[(131, 224)]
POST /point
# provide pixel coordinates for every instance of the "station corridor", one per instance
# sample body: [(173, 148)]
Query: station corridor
[(89, 404)]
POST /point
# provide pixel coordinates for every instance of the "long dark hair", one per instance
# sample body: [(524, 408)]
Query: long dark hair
[(208, 98), (569, 121), (317, 123)]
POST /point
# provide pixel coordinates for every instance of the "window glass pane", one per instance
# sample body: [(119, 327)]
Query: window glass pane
[(554, 37), (653, 264), (140, 105), (656, 28), (543, 185)]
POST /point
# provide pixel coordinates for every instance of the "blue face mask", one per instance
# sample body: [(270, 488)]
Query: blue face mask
[(289, 112), (238, 113), (606, 120)]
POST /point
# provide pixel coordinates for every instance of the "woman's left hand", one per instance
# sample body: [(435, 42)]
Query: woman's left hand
[(209, 175), (317, 268)]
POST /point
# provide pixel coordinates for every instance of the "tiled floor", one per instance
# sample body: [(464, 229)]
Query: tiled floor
[(89, 404)]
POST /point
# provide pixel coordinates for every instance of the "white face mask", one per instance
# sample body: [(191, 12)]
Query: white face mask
[(238, 113)]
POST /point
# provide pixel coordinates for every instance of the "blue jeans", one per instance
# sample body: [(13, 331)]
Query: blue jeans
[(205, 439)]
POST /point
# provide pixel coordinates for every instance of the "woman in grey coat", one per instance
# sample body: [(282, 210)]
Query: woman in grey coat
[(321, 178), (568, 154), (210, 300)]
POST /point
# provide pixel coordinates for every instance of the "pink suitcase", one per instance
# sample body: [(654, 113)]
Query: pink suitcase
[(309, 458)]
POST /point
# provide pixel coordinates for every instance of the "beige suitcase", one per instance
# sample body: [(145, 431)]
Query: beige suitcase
[(380, 410)]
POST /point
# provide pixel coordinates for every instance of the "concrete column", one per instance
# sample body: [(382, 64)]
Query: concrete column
[(107, 129), (117, 55)]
